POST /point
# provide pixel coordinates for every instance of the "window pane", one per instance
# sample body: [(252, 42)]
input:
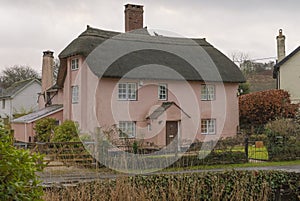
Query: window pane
[(211, 126), (75, 94), (131, 91), (162, 92), (207, 92), (208, 126), (204, 126), (127, 129), (122, 91), (74, 64), (211, 92), (127, 91), (203, 92)]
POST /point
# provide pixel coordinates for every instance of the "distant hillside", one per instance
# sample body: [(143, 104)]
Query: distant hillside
[(260, 81)]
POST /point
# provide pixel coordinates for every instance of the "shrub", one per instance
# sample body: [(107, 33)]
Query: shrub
[(44, 129), (17, 171), (226, 157), (215, 186), (261, 107), (283, 139), (66, 132)]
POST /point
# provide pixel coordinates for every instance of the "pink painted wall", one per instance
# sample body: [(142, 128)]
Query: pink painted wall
[(99, 106), (22, 131)]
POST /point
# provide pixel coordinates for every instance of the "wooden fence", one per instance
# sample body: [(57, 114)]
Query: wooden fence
[(63, 153)]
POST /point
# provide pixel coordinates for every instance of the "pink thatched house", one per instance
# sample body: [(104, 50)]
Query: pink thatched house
[(153, 88)]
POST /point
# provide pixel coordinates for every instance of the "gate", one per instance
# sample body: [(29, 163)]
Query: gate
[(256, 150), (68, 153)]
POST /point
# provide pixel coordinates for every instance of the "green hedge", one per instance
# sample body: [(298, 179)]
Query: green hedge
[(227, 157), (230, 185)]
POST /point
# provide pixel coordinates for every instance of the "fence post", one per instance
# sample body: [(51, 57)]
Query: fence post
[(246, 145)]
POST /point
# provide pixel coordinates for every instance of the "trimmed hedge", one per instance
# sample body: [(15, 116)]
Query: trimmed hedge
[(230, 185), (226, 157)]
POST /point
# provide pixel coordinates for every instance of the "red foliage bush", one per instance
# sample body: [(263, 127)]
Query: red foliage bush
[(260, 107)]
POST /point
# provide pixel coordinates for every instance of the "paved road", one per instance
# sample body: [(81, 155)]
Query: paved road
[(74, 177)]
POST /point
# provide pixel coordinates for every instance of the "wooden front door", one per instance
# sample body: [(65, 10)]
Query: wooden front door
[(171, 131)]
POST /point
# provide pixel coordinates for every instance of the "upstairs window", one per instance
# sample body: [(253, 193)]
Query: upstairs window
[(127, 129), (127, 91), (208, 92), (74, 64), (3, 103), (208, 126), (162, 92), (75, 94)]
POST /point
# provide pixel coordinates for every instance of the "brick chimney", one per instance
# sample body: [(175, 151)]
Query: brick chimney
[(47, 70), (133, 17), (280, 46)]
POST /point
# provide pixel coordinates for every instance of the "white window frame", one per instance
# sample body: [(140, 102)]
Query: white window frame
[(75, 94), (208, 126), (75, 64), (128, 128), (208, 92), (163, 92), (127, 91)]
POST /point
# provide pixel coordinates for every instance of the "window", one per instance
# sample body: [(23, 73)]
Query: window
[(127, 129), (75, 94), (162, 92), (127, 91), (207, 92), (3, 103), (208, 126), (74, 64)]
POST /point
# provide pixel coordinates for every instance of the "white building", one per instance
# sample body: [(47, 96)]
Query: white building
[(20, 97)]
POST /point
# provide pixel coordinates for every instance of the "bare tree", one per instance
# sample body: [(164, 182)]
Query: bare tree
[(244, 62), (17, 73)]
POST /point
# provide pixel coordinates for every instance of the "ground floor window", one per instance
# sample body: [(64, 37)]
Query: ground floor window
[(208, 126), (127, 129)]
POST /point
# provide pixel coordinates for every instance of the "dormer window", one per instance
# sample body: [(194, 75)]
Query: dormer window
[(75, 64)]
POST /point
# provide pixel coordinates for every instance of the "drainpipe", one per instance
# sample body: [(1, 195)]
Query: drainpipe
[(25, 132)]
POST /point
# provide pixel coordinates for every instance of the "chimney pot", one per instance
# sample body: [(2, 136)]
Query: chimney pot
[(48, 53)]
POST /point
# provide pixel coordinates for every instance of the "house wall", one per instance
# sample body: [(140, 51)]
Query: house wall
[(70, 80), (24, 131), (24, 101), (103, 106), (27, 99), (7, 110), (224, 109), (290, 77)]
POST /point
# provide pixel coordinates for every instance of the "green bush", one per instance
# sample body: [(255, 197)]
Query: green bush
[(44, 129), (209, 186), (17, 171), (66, 132), (226, 157), (283, 139)]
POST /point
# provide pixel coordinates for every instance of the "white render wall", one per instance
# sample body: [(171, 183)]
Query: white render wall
[(24, 100), (5, 112), (290, 77)]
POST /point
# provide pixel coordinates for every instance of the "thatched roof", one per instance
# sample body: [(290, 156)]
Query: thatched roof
[(200, 60)]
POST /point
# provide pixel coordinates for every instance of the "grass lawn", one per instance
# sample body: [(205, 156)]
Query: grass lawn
[(254, 153)]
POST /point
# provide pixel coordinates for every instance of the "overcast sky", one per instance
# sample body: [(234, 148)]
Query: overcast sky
[(32, 26)]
